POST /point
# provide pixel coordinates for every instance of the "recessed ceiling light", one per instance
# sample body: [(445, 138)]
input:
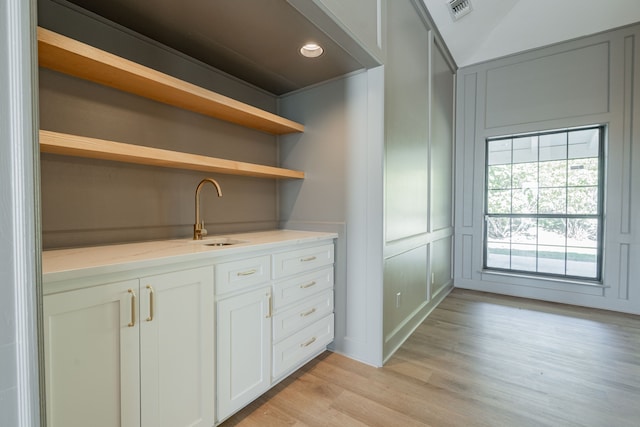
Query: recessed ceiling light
[(311, 50)]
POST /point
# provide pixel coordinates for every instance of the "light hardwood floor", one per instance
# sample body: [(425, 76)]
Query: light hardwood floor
[(478, 360)]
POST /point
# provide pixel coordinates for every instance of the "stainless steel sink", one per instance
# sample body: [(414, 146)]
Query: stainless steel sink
[(220, 241)]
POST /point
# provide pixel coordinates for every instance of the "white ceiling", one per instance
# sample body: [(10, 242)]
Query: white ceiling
[(496, 28)]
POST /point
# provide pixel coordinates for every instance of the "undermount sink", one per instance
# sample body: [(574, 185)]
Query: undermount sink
[(220, 241)]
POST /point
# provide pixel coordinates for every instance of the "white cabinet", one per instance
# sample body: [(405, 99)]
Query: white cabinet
[(133, 353), (156, 344), (274, 313), (177, 349), (303, 317), (243, 349), (92, 357)]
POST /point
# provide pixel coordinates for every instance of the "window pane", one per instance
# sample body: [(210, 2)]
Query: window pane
[(582, 232), (523, 257), (551, 259), (583, 172), (525, 149), (582, 200), (553, 200), (498, 255), (553, 174), (498, 229), (553, 146), (523, 230), (498, 201), (499, 152), (525, 175), (499, 177), (525, 201), (582, 262), (552, 232), (584, 143)]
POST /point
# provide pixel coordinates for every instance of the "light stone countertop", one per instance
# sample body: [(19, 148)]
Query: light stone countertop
[(66, 264)]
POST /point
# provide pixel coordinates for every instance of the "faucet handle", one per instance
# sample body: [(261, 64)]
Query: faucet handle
[(203, 231)]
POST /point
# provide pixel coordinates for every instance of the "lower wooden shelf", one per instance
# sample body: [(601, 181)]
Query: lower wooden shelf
[(80, 146)]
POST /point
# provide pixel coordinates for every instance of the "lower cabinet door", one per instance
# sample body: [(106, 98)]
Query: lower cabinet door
[(91, 339), (243, 349), (177, 349)]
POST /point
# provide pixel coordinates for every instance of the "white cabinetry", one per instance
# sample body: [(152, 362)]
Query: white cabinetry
[(132, 353), (177, 349), (303, 318), (152, 343), (92, 357), (243, 323), (274, 313), (244, 349)]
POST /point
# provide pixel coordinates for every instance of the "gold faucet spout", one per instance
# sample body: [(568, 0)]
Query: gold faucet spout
[(198, 227)]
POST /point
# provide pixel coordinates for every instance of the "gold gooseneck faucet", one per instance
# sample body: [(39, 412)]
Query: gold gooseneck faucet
[(198, 227)]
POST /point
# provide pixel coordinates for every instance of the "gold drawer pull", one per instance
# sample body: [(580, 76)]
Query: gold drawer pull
[(151, 304), (310, 258), (308, 343), (247, 273), (308, 285), (133, 308), (308, 313), (270, 301)]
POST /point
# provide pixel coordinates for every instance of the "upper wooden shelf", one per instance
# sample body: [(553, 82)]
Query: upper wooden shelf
[(80, 146), (72, 57)]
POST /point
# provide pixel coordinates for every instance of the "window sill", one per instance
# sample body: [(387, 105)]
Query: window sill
[(589, 283)]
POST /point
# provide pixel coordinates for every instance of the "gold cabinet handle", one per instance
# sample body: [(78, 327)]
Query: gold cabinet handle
[(270, 313), (308, 285), (310, 258), (308, 313), (247, 273), (133, 308), (308, 343), (151, 303)]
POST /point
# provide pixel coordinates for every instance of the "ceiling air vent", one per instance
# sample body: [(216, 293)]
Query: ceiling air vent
[(459, 8)]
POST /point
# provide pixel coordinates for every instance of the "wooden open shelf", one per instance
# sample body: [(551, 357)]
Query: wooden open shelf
[(72, 57), (79, 146)]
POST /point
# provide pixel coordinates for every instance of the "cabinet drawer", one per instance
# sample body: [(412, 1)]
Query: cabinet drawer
[(297, 288), (301, 260), (236, 275), (301, 346), (301, 315)]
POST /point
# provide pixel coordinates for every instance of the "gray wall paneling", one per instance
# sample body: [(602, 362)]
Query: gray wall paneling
[(586, 81), (419, 117), (358, 128), (341, 152)]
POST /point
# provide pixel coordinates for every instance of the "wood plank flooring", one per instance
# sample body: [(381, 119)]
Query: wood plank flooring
[(478, 360)]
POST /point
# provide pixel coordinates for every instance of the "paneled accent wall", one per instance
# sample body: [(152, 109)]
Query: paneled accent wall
[(593, 80), (378, 156), (419, 87)]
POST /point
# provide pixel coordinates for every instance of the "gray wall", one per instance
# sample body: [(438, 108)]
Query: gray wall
[(89, 202), (593, 80), (341, 152), (419, 90), (378, 156)]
